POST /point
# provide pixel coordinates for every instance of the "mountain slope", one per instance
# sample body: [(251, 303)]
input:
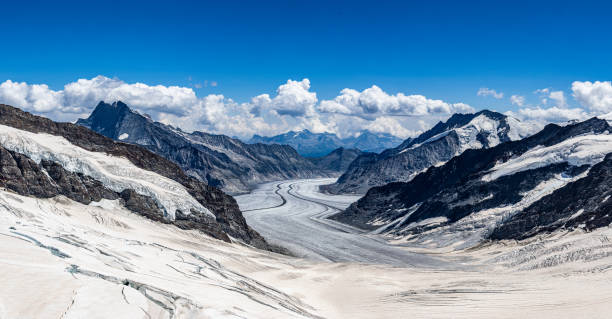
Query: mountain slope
[(337, 161), (43, 158), (517, 185), (218, 160), (434, 147), (311, 144)]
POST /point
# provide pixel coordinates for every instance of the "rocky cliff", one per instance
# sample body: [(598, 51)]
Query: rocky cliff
[(66, 176), (559, 177), (434, 147), (217, 160)]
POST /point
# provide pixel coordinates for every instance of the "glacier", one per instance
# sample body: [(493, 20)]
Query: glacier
[(581, 150), (113, 172)]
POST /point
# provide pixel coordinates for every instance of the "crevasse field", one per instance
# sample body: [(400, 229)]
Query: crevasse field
[(62, 259)]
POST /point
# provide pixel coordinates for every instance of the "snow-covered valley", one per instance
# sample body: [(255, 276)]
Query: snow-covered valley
[(293, 214), (63, 259)]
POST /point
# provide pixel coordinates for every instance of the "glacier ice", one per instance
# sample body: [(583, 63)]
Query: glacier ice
[(115, 173)]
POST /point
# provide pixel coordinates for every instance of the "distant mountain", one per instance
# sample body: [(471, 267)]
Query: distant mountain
[(311, 144), (434, 147), (218, 160), (337, 161), (558, 178)]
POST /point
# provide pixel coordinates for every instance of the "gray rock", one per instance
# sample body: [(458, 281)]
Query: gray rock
[(456, 190), (402, 163), (229, 219), (217, 160)]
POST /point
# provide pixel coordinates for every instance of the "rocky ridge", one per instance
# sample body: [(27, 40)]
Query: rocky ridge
[(47, 179), (434, 147), (500, 193), (217, 160)]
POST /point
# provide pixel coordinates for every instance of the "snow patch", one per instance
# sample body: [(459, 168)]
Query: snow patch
[(576, 214), (484, 124), (123, 136), (115, 173), (577, 151), (474, 228)]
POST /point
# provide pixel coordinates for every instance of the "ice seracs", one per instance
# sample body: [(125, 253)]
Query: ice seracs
[(115, 173), (580, 150)]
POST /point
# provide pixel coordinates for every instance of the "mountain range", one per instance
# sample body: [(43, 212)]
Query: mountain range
[(445, 140), (311, 144), (558, 178), (336, 161), (217, 160), (42, 159), (109, 228)]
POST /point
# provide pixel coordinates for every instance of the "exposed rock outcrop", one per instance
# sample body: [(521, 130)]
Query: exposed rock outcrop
[(434, 147), (474, 193), (217, 160), (229, 219)]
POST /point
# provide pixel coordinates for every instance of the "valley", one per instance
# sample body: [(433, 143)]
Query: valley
[(293, 214), (63, 259)]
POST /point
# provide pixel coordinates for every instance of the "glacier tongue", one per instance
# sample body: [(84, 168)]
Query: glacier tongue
[(115, 173)]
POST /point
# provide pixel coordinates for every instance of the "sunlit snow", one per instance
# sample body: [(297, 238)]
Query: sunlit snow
[(116, 173)]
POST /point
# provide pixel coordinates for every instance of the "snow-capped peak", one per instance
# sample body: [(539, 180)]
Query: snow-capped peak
[(485, 128)]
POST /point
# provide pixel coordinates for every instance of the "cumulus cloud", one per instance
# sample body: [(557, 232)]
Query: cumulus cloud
[(293, 106), (549, 115), (374, 102), (558, 112), (558, 97), (390, 125), (292, 98), (490, 92), (596, 96), (517, 100), (77, 98)]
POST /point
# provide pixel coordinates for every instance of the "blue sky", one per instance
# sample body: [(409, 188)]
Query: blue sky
[(444, 50)]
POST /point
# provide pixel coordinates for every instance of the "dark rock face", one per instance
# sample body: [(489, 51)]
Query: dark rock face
[(400, 164), (311, 144), (337, 161), (458, 189), (229, 219), (217, 160), (25, 177), (585, 203)]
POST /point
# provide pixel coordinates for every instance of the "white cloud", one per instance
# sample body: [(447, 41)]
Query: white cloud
[(293, 98), (490, 92), (293, 107), (547, 94), (517, 100), (596, 96), (387, 124), (550, 115), (37, 98), (558, 97), (373, 102)]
